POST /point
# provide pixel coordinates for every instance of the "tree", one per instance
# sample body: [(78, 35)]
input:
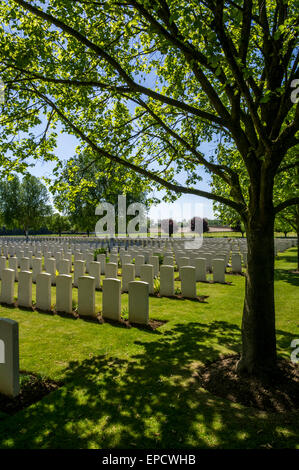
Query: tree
[(58, 223), (238, 226), (215, 222), (283, 225), (24, 204), (83, 217), (228, 67), (9, 202), (79, 188), (286, 186), (229, 216)]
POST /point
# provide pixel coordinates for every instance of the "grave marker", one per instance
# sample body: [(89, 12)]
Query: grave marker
[(9, 357), (139, 302)]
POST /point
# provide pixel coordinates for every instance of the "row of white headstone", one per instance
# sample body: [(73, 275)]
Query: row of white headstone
[(188, 275), (9, 245), (63, 259), (111, 300), (212, 248), (64, 265)]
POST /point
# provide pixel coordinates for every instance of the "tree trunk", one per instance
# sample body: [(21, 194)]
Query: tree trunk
[(297, 230), (297, 248), (258, 323)]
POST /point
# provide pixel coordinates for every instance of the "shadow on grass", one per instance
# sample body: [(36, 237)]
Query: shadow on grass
[(287, 276), (151, 400), (288, 257), (283, 341)]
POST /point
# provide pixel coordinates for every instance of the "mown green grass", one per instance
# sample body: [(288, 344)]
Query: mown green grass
[(131, 388)]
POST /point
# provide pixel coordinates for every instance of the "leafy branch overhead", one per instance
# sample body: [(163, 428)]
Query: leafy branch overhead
[(145, 83)]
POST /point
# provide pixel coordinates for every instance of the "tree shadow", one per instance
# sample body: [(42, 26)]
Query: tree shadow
[(283, 341), (288, 257), (287, 276), (151, 400)]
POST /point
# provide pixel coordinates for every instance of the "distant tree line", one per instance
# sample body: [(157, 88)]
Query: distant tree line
[(25, 206)]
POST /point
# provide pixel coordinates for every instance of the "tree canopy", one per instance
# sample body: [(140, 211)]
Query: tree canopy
[(144, 83), (58, 223), (24, 204), (79, 187), (286, 185)]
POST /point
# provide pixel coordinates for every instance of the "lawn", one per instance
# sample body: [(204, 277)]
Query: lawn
[(132, 388)]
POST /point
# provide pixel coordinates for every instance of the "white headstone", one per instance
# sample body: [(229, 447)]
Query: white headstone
[(139, 260), (9, 357), (50, 267), (128, 275), (89, 258), (188, 281), (36, 268), (86, 296), (154, 261), (126, 259), (113, 258), (166, 281), (7, 286), (79, 270), (95, 271), (111, 306), (64, 301), (138, 302), (13, 264), (43, 291), (200, 269), (147, 275), (183, 261), (64, 266), (168, 260), (25, 264), (208, 257), (101, 257), (25, 289), (20, 255), (2, 265), (218, 270), (111, 271), (236, 263)]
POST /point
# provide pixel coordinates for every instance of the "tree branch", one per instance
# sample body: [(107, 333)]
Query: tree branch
[(231, 54), (149, 174), (122, 73), (288, 167), (289, 202)]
